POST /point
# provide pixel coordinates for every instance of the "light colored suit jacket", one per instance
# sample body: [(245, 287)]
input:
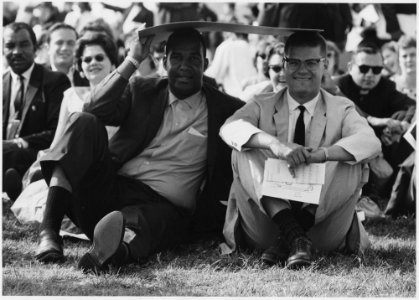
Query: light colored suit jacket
[(335, 122)]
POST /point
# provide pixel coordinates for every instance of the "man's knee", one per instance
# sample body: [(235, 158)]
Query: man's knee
[(85, 123)]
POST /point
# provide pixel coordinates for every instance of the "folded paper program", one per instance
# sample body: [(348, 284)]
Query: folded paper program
[(304, 187)]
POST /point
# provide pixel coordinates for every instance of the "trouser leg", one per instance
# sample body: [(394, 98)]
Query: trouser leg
[(82, 153), (154, 223)]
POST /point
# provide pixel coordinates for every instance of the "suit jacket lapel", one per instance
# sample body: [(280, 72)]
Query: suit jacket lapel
[(318, 123), (6, 101), (281, 117), (214, 122), (33, 87)]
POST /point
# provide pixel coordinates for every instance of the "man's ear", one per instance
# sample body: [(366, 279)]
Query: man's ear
[(165, 62), (206, 62)]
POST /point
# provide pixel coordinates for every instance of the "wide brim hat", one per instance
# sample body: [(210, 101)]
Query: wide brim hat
[(160, 33)]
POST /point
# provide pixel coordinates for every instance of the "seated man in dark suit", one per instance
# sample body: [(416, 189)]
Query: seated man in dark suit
[(32, 97), (386, 110), (163, 174)]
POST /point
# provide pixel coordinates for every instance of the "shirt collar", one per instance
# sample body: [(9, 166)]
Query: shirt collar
[(192, 101), (309, 105), (26, 74)]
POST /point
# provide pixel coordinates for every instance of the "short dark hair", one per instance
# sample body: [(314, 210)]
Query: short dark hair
[(367, 47), (189, 32), (406, 42), (306, 38), (57, 26), (96, 38), (16, 26)]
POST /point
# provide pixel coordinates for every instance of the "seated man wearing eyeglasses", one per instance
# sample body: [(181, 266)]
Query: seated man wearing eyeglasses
[(301, 124), (387, 110)]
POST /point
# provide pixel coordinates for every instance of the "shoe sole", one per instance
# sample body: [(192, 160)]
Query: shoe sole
[(103, 248), (52, 256), (298, 263)]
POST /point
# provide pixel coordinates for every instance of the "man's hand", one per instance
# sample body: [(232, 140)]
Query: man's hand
[(140, 49), (392, 133), (294, 154)]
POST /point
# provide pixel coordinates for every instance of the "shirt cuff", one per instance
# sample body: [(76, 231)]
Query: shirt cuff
[(238, 133)]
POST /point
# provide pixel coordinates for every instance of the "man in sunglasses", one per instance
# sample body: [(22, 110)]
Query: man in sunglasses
[(300, 124), (387, 110), (160, 179)]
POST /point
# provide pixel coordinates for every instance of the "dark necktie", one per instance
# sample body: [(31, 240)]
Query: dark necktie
[(19, 98), (299, 138), (300, 129)]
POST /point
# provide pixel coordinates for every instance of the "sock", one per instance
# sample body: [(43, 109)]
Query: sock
[(305, 218), (122, 255), (57, 204), (288, 226)]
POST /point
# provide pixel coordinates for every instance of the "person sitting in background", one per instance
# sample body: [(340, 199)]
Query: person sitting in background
[(32, 97), (386, 110), (261, 63), (300, 124), (406, 79), (232, 64), (275, 70), (333, 54), (61, 40), (390, 59), (332, 69)]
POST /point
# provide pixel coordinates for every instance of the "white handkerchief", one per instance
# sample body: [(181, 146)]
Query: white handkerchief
[(193, 131)]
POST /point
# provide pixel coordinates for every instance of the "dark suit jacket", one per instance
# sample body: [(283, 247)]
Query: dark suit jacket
[(42, 105), (138, 108), (382, 101)]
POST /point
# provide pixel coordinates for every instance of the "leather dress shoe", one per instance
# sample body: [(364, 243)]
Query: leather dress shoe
[(300, 253), (50, 247), (277, 253), (12, 184), (107, 244)]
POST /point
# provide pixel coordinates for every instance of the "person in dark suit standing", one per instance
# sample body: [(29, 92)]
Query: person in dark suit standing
[(162, 176), (32, 97)]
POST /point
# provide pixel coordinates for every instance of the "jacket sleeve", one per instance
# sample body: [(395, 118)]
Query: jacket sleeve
[(110, 100), (52, 92)]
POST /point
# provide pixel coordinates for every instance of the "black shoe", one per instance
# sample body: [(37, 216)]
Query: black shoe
[(300, 253), (277, 253), (107, 243), (12, 184), (50, 247)]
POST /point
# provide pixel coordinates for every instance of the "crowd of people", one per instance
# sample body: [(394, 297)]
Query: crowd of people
[(139, 146)]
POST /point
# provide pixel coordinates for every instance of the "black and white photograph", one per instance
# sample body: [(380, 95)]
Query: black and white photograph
[(209, 149)]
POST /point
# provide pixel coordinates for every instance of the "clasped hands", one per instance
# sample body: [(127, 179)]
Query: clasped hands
[(392, 132), (296, 155)]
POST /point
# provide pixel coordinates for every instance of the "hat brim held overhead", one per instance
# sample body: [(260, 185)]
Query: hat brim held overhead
[(162, 32)]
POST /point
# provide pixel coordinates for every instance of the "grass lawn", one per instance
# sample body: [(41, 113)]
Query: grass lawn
[(388, 269)]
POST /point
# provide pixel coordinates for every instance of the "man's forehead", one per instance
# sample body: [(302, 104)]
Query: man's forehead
[(64, 32), (369, 58), (21, 33)]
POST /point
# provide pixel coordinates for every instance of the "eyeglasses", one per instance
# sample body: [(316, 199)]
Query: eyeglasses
[(311, 64), (364, 69), (88, 59), (275, 68)]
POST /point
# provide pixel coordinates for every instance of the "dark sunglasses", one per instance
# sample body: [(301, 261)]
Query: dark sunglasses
[(88, 59), (364, 69), (275, 68), (261, 55)]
